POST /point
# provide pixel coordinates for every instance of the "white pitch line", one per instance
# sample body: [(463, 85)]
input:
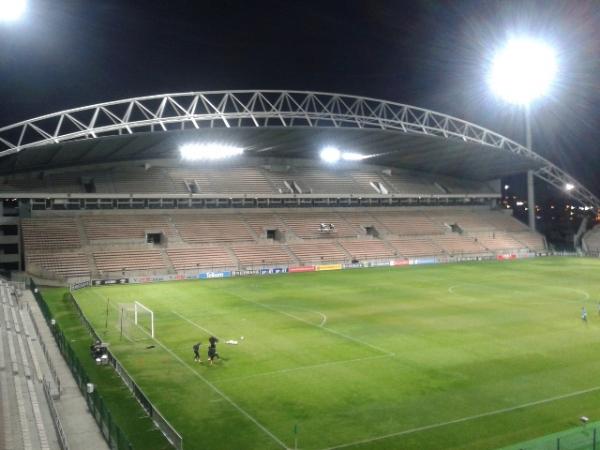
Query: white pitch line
[(194, 323), (221, 393), (262, 305), (465, 419), (113, 306), (313, 366), (299, 308), (585, 294)]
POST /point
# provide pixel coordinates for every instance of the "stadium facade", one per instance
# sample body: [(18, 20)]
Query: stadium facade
[(101, 192)]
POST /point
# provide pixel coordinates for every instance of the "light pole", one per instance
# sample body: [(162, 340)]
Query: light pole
[(521, 72)]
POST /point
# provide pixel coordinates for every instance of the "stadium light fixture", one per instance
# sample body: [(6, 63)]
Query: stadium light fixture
[(569, 187), (333, 154), (208, 152), (11, 10), (350, 156), (523, 70)]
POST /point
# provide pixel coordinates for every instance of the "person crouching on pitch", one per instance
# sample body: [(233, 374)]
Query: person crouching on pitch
[(212, 349), (196, 349)]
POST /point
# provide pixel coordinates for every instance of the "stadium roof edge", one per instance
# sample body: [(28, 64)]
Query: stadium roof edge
[(268, 109)]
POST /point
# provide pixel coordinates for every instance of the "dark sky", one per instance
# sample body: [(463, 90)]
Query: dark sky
[(434, 54)]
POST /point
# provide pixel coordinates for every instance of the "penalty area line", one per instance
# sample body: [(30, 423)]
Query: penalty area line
[(312, 366), (300, 319), (193, 323), (465, 419), (221, 393)]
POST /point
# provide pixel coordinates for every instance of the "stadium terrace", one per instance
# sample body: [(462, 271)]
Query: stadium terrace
[(203, 188)]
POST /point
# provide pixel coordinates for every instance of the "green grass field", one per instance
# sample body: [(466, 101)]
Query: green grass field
[(465, 356)]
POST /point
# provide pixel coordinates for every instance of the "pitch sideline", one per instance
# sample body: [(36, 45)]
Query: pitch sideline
[(193, 323), (465, 419), (221, 393), (345, 336), (217, 390)]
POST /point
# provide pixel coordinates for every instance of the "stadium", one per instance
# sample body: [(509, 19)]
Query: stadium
[(367, 286)]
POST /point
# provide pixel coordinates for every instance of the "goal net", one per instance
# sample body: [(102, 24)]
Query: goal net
[(136, 321), (144, 317)]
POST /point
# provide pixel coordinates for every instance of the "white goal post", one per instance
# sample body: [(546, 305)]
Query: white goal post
[(138, 306)]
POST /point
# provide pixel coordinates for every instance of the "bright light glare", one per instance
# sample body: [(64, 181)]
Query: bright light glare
[(330, 154), (349, 156), (208, 152), (333, 155), (11, 9), (569, 187), (523, 70)]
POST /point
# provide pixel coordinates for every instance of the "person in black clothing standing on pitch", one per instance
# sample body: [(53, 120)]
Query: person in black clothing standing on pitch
[(212, 349), (196, 349)]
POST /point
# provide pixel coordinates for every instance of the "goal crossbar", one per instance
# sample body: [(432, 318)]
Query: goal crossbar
[(137, 306)]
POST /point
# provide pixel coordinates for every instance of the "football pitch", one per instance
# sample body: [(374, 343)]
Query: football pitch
[(464, 356)]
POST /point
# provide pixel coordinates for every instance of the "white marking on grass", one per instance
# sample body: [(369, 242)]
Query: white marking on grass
[(116, 326), (312, 366), (194, 323), (221, 393), (350, 338), (466, 419), (585, 294), (299, 308)]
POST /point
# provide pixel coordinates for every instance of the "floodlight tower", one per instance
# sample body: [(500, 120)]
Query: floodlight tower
[(521, 72)]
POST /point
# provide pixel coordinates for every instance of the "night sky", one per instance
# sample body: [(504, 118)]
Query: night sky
[(433, 54)]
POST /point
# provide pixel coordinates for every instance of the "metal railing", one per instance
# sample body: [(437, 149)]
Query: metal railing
[(111, 431), (60, 432), (159, 420)]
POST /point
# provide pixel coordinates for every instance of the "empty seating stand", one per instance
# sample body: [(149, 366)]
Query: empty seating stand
[(63, 264), (367, 249), (213, 239), (261, 254), (204, 257), (128, 260), (409, 223), (208, 228), (50, 234), (307, 225), (125, 226), (416, 247), (532, 241), (455, 244), (25, 415), (500, 242), (318, 252)]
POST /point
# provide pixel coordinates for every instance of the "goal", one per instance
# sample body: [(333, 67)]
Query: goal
[(144, 317)]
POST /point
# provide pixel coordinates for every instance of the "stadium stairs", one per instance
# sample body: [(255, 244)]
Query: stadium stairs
[(28, 424), (109, 253), (70, 407)]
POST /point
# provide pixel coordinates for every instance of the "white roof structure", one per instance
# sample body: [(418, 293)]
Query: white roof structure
[(274, 123)]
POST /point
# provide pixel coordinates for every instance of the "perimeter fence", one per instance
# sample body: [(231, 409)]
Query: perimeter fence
[(585, 437), (159, 420), (115, 437)]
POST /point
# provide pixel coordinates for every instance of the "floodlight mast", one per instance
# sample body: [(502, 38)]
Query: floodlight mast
[(521, 72)]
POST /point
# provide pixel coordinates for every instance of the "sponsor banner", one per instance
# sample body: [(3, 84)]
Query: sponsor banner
[(422, 261), (109, 282), (353, 265), (399, 262), (79, 285), (506, 257), (329, 267), (157, 278), (207, 275), (273, 270), (302, 269)]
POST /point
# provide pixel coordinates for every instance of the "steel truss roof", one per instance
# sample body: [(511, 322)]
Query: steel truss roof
[(261, 109)]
